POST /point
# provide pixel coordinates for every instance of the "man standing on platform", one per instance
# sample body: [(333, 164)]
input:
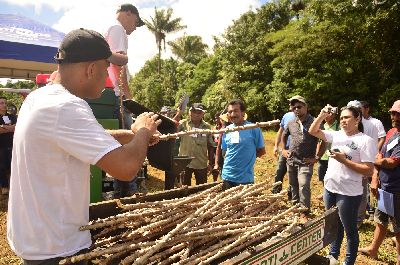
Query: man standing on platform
[(127, 21)]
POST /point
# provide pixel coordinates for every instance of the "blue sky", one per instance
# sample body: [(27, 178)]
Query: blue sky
[(206, 18)]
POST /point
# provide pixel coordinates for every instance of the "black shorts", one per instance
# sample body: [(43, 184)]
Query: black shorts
[(383, 218)]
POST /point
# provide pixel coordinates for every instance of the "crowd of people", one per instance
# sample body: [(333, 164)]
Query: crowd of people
[(355, 157), (57, 138)]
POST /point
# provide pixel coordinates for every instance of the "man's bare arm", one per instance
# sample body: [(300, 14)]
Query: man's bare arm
[(124, 162), (260, 152), (278, 139), (120, 73)]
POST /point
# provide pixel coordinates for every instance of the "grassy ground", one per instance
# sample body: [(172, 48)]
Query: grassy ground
[(264, 170)]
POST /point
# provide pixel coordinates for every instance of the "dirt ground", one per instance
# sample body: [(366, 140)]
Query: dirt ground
[(264, 170)]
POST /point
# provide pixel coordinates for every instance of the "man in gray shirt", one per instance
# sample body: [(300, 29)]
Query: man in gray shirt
[(301, 155)]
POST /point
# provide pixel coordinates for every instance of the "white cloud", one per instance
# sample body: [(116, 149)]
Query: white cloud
[(205, 18)]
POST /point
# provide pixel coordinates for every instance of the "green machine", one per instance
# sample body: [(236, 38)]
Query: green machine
[(103, 109)]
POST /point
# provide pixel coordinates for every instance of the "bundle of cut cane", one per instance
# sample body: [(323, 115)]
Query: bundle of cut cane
[(198, 229)]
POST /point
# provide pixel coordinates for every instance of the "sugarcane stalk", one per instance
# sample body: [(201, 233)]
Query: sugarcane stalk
[(247, 235), (165, 253), (166, 137), (180, 226), (169, 260)]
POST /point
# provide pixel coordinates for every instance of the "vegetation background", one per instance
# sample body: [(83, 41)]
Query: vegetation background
[(327, 51)]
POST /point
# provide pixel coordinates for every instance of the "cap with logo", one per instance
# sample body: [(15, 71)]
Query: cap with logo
[(131, 8), (84, 45), (198, 106)]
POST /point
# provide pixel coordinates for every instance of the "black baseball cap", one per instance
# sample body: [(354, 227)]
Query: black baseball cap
[(131, 8), (85, 45), (198, 106)]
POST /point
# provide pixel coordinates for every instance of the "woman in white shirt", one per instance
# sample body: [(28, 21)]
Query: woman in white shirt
[(353, 154)]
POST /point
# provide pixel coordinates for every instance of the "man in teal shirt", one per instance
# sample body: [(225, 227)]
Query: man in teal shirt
[(240, 148)]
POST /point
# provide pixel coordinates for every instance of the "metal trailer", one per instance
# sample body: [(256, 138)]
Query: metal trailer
[(300, 246)]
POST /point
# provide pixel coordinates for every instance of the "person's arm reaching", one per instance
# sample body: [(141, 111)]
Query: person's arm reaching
[(278, 139), (388, 162), (260, 152), (315, 128), (381, 141), (124, 162)]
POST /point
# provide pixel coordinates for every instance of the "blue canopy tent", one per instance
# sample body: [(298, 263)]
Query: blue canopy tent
[(27, 47)]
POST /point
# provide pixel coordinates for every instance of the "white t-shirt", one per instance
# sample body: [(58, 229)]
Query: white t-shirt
[(118, 40), (358, 148), (379, 126), (370, 130), (55, 141)]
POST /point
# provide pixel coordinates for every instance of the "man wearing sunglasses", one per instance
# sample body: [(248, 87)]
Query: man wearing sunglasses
[(301, 155)]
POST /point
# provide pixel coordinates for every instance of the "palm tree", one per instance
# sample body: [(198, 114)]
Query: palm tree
[(160, 25), (189, 49)]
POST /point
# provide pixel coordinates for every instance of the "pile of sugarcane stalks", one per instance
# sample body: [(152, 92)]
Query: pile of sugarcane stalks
[(199, 229)]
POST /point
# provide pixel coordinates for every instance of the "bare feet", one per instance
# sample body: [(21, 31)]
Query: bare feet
[(368, 252)]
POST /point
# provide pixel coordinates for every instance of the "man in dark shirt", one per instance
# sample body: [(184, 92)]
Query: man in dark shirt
[(301, 153), (387, 176), (7, 125)]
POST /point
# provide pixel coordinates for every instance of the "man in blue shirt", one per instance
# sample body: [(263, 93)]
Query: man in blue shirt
[(240, 148), (281, 167)]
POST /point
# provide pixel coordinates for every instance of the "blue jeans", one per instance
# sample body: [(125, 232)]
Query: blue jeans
[(322, 167), (347, 206), (226, 184), (281, 170)]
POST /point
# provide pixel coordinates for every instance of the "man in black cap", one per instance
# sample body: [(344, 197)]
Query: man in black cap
[(117, 37), (56, 140), (127, 21), (199, 146)]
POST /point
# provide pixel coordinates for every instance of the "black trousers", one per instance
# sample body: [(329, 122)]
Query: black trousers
[(5, 164), (199, 174), (55, 261)]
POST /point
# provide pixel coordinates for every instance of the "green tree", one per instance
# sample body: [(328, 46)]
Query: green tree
[(16, 98), (155, 90), (201, 78), (189, 49), (245, 57), (337, 52), (162, 24)]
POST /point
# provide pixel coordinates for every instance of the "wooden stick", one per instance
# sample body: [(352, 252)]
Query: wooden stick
[(223, 130)]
